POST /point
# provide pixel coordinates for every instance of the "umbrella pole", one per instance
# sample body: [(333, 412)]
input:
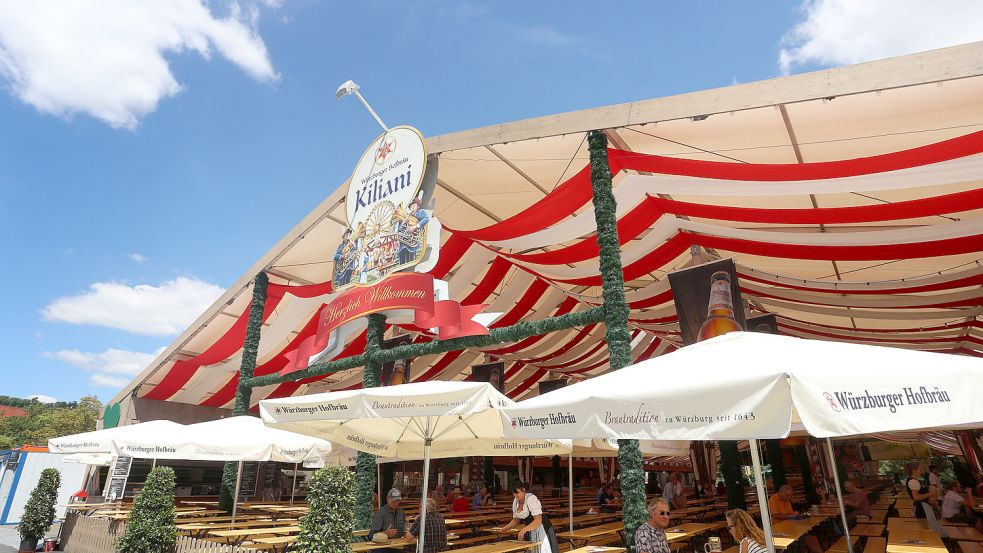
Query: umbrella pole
[(293, 487), (426, 484), (839, 495), (570, 487), (762, 497), (378, 481), (235, 498), (153, 463)]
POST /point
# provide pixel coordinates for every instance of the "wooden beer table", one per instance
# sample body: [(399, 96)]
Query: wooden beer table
[(867, 530), (579, 538), (914, 541), (788, 531), (236, 537)]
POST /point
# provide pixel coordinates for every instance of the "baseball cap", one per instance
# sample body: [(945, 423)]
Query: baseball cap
[(394, 494)]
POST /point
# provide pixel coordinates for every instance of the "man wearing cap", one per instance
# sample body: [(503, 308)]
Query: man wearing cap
[(390, 518)]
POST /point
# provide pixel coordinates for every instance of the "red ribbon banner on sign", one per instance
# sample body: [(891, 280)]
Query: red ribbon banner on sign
[(403, 291)]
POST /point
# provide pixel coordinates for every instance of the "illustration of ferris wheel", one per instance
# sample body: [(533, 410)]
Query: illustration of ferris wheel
[(380, 219)]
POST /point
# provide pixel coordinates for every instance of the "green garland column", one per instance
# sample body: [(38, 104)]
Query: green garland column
[(616, 320), (250, 349), (365, 465)]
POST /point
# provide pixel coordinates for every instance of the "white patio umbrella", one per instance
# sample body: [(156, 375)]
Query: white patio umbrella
[(422, 420), (103, 441), (96, 459), (752, 386), (240, 439)]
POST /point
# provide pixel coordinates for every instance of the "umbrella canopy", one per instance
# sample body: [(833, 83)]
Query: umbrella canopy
[(752, 385), (599, 447), (231, 439), (98, 459), (103, 441), (461, 419)]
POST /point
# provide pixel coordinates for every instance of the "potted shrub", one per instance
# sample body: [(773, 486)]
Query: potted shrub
[(150, 528), (39, 512), (327, 526)]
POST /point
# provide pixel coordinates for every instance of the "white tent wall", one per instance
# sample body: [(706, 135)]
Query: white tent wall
[(25, 477)]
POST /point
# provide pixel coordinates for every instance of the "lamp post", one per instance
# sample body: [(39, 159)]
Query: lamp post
[(350, 87)]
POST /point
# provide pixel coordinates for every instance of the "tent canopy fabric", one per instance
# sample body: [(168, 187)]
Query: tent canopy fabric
[(460, 418), (747, 385), (849, 198)]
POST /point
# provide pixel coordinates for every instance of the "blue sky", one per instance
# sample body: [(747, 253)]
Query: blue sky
[(149, 158)]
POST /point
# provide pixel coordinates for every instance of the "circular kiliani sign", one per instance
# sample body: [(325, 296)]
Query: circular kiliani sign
[(387, 225)]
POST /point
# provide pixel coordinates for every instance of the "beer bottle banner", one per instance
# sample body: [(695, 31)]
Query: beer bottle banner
[(396, 372), (493, 373), (708, 300)]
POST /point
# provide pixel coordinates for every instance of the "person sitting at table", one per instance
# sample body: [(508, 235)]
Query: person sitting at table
[(650, 537), (956, 506), (856, 501), (480, 499), (528, 512), (390, 518), (746, 533), (672, 489), (780, 508), (461, 504), (434, 531), (606, 500), (438, 494)]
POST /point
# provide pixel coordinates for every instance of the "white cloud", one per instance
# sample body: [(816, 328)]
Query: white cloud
[(106, 381), (110, 368), (141, 309), (841, 32), (42, 398), (106, 58), (542, 35), (138, 258)]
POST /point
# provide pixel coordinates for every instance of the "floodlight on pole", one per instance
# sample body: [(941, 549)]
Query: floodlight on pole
[(351, 87)]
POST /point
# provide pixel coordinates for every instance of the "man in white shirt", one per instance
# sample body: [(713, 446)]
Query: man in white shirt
[(953, 505), (673, 492)]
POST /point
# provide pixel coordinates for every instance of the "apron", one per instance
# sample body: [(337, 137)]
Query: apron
[(545, 533), (919, 513)]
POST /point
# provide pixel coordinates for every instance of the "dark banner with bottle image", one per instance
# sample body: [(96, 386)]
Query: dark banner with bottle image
[(708, 300), (763, 323), (490, 372), (397, 372)]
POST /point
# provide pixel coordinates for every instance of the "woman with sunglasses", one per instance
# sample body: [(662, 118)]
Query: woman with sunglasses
[(528, 511), (745, 532), (650, 537)]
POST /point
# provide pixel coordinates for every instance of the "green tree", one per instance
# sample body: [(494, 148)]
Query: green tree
[(45, 421), (39, 512), (151, 526), (327, 526)]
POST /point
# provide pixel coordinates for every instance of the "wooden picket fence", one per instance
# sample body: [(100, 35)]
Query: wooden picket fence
[(86, 534)]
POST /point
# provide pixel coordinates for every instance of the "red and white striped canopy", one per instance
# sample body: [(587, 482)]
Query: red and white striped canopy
[(850, 200)]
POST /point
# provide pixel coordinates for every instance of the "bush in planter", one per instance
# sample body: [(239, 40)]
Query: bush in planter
[(39, 512), (151, 525), (328, 525)]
